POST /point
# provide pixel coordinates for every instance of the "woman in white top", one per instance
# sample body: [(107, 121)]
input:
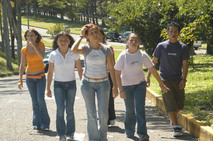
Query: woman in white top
[(97, 58), (63, 62), (132, 85)]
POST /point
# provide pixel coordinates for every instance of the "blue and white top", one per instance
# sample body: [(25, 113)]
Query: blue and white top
[(95, 63)]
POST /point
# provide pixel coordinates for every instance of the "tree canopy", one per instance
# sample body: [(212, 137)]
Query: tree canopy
[(149, 17)]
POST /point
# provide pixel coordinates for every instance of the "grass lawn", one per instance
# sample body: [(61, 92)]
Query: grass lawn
[(3, 66), (46, 22)]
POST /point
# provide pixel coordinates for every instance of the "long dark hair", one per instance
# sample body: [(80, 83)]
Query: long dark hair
[(62, 33), (102, 32), (35, 32)]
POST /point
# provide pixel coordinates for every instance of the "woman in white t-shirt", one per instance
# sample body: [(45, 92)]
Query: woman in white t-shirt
[(63, 62), (132, 85), (97, 58)]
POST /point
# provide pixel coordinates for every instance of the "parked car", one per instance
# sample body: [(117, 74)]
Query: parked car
[(46, 60), (113, 36), (197, 44), (123, 37)]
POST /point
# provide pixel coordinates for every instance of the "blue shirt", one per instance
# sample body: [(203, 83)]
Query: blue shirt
[(171, 57)]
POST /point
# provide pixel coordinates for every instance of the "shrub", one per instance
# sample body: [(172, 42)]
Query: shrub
[(57, 28)]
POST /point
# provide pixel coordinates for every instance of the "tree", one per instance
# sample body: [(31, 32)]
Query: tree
[(17, 28), (203, 11), (149, 17), (6, 35), (145, 17)]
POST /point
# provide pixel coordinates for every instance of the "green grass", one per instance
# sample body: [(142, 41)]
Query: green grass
[(117, 52), (119, 47), (47, 22), (47, 43), (199, 89), (203, 46), (3, 66)]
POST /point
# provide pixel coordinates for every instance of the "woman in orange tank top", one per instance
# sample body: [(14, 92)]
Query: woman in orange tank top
[(33, 54)]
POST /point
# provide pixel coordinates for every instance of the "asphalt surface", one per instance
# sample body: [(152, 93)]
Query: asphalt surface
[(16, 118)]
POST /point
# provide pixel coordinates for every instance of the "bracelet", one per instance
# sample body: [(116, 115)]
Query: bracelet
[(81, 36), (121, 91), (19, 80)]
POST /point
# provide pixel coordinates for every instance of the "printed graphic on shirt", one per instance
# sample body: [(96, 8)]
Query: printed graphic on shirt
[(172, 54), (135, 62)]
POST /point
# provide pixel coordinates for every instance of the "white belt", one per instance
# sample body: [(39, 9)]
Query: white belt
[(93, 80)]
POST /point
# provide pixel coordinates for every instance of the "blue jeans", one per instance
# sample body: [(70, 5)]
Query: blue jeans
[(65, 97), (135, 100), (101, 89), (36, 88)]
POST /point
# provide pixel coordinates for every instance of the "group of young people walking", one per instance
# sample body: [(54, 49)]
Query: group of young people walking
[(103, 79)]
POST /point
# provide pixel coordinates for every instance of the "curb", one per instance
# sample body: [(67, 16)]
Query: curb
[(195, 127)]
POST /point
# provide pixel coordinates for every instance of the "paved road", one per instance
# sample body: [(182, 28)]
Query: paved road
[(16, 118)]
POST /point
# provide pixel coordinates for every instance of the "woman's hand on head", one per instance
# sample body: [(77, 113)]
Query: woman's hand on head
[(83, 31)]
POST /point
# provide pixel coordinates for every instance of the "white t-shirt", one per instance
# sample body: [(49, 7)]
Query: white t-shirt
[(96, 61), (131, 67), (64, 67)]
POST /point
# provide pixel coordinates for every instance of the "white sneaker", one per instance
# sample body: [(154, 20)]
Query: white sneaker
[(112, 122), (177, 131), (70, 138)]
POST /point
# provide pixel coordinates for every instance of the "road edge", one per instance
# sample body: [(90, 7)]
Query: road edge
[(195, 127)]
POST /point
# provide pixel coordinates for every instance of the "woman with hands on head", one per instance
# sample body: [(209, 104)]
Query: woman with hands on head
[(63, 62), (132, 85), (33, 54), (97, 58)]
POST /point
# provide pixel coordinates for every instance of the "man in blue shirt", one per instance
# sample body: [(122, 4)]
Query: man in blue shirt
[(173, 56)]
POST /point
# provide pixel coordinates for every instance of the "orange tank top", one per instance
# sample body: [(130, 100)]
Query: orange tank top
[(34, 63)]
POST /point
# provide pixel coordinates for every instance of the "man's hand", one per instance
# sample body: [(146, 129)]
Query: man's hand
[(182, 84)]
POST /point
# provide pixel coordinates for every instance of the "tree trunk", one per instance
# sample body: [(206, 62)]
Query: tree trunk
[(6, 35), (209, 44), (103, 22), (2, 33), (18, 36)]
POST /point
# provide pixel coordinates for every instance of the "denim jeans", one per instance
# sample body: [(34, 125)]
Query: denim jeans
[(135, 101), (36, 88), (65, 97), (111, 108), (89, 90)]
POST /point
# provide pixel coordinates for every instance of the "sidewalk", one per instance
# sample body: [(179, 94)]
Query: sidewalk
[(16, 118)]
